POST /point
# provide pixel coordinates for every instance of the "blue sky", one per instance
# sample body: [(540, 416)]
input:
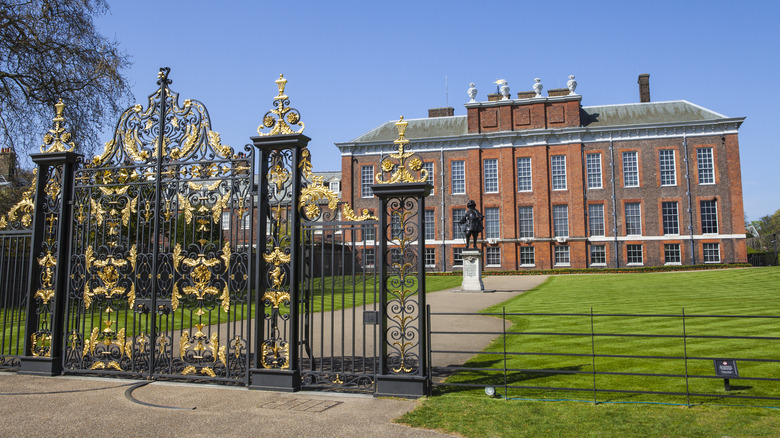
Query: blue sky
[(354, 65)]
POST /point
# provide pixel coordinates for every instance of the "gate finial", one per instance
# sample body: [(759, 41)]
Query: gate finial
[(57, 139), (285, 115), (400, 163)]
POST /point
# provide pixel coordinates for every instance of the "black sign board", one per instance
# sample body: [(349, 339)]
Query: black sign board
[(726, 368)]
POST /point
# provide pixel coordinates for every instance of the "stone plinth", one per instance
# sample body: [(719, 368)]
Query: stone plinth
[(472, 271)]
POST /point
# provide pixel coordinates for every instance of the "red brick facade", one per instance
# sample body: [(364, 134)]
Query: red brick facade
[(543, 128)]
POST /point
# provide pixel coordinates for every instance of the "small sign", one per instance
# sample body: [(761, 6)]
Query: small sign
[(370, 317), (726, 368)]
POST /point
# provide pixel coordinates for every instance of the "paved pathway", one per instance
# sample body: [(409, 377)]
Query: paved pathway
[(76, 406)]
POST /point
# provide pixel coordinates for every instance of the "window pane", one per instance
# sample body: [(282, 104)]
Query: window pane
[(368, 257), (458, 177), (711, 253), (225, 220), (558, 172), (668, 170), (492, 224), (493, 256), (527, 257), (598, 255), (633, 219), (670, 218), (706, 167), (596, 219), (560, 220), (491, 175), (366, 180), (630, 170), (562, 255), (709, 217), (525, 217), (634, 254), (672, 253), (369, 232), (395, 226), (430, 257), (457, 256), (457, 230), (430, 224), (524, 182), (593, 167), (428, 165)]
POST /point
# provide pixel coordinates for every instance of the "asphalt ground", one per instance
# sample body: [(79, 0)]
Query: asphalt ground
[(77, 406)]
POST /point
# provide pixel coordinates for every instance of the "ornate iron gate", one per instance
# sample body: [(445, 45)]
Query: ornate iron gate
[(161, 249), (339, 300)]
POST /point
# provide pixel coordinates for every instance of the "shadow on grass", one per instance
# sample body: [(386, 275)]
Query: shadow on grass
[(477, 376)]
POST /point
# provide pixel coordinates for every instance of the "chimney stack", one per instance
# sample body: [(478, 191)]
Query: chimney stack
[(644, 87), (447, 111)]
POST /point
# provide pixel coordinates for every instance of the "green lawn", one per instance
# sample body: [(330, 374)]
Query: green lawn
[(753, 291)]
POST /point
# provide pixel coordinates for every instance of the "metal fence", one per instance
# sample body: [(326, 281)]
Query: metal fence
[(662, 358)]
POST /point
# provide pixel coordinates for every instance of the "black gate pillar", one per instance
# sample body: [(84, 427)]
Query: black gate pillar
[(278, 231), (44, 336), (403, 371)]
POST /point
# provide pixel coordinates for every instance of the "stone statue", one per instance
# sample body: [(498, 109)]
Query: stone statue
[(472, 93), (472, 223)]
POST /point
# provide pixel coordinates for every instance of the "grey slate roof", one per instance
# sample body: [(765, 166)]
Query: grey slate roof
[(646, 113), (592, 117)]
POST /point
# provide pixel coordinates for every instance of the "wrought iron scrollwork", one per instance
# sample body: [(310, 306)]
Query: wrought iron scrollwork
[(403, 310)]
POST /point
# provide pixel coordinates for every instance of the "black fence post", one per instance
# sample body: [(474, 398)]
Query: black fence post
[(49, 253), (279, 247), (403, 335)]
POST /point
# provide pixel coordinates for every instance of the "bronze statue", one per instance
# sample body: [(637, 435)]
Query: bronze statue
[(472, 223)]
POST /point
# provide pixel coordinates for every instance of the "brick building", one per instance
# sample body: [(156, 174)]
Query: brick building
[(566, 185)]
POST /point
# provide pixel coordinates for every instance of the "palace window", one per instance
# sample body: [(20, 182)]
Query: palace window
[(428, 165), (630, 169), (491, 175), (593, 169), (667, 166), (596, 219), (527, 256), (430, 224), (525, 217), (366, 181), (634, 253), (670, 218), (524, 181), (711, 253), (458, 177), (492, 223), (672, 254), (709, 217), (598, 255), (457, 230), (558, 165), (562, 255), (560, 220), (706, 166), (633, 219), (493, 256)]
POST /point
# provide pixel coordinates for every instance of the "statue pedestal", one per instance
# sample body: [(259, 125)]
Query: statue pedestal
[(472, 271)]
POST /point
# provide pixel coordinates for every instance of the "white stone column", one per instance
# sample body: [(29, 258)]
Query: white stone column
[(472, 271)]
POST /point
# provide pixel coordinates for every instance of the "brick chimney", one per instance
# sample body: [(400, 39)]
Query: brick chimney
[(644, 87), (446, 111), (7, 163)]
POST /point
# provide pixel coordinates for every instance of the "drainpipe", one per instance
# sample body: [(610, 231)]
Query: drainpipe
[(584, 180), (690, 202), (614, 200), (443, 212)]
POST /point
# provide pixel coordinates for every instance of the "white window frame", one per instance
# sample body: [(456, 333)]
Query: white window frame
[(533, 256), (558, 172), (457, 214), (430, 225), (593, 220), (430, 167), (641, 255), (603, 252), (593, 171), (334, 186), (670, 251), (430, 252), (714, 214), (562, 255), (490, 175), (705, 250), (458, 177), (705, 163), (493, 256), (525, 181), (560, 217), (226, 220), (366, 181), (492, 223), (523, 219), (632, 216), (665, 215), (667, 172), (630, 169)]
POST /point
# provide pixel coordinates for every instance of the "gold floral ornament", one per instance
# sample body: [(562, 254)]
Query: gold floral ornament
[(402, 163), (57, 140), (280, 119)]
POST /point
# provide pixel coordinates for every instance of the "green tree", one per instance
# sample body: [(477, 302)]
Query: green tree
[(51, 50), (768, 228)]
